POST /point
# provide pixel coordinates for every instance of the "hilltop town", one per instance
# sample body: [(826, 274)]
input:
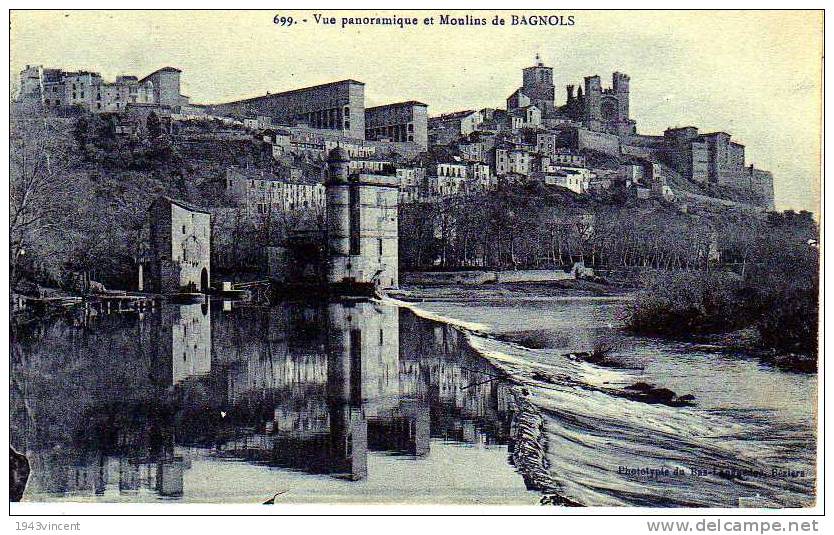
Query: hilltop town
[(587, 144), (273, 174)]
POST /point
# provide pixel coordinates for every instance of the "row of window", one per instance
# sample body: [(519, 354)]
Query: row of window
[(395, 132), (264, 208), (332, 118)]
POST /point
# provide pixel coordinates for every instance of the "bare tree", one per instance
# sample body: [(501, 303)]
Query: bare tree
[(40, 183)]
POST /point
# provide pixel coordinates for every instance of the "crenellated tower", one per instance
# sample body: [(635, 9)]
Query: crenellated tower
[(603, 109)]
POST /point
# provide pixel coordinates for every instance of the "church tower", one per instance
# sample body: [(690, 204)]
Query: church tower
[(538, 83)]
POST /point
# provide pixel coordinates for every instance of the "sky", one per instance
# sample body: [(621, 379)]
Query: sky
[(754, 74)]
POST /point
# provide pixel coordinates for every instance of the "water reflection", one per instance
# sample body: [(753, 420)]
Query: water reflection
[(121, 403)]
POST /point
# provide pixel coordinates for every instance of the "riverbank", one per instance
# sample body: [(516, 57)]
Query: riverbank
[(747, 341)]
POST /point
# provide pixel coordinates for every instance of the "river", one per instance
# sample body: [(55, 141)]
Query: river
[(346, 402), (369, 402), (749, 438)]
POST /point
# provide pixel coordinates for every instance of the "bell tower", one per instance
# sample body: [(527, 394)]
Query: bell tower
[(538, 83)]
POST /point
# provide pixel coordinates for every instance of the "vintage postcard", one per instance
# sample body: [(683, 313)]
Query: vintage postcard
[(540, 258)]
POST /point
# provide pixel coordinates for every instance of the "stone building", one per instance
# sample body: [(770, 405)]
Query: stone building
[(166, 87), (703, 158), (411, 176), (452, 169), (512, 160), (577, 180), (412, 182), (477, 147), (55, 88), (568, 157), (333, 106), (369, 166), (448, 127), (177, 250), (480, 177), (259, 192), (126, 91), (537, 89), (602, 109), (713, 158), (441, 186), (31, 82), (529, 116), (403, 122), (361, 212)]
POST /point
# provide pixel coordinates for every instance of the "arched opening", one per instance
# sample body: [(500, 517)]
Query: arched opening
[(204, 280)]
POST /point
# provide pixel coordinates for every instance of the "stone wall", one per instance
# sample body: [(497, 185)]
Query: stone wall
[(598, 141)]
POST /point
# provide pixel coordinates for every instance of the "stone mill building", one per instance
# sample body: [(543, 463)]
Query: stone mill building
[(177, 250)]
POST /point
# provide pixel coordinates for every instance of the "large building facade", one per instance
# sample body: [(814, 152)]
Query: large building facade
[(165, 83), (362, 226), (402, 122), (713, 158), (333, 106), (264, 193)]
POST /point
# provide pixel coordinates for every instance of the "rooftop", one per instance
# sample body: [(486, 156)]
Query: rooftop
[(348, 81), (453, 115), (399, 104), (163, 69), (183, 204)]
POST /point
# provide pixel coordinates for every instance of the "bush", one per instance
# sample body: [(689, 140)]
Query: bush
[(789, 322), (687, 302), (699, 302)]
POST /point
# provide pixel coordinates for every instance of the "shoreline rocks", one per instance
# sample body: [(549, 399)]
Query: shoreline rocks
[(648, 393)]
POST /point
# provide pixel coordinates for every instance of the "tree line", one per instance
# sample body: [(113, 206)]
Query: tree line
[(528, 226)]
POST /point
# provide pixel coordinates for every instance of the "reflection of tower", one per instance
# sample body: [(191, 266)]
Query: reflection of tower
[(403, 429), (169, 477), (322, 404), (129, 477), (185, 340), (438, 366), (348, 426)]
